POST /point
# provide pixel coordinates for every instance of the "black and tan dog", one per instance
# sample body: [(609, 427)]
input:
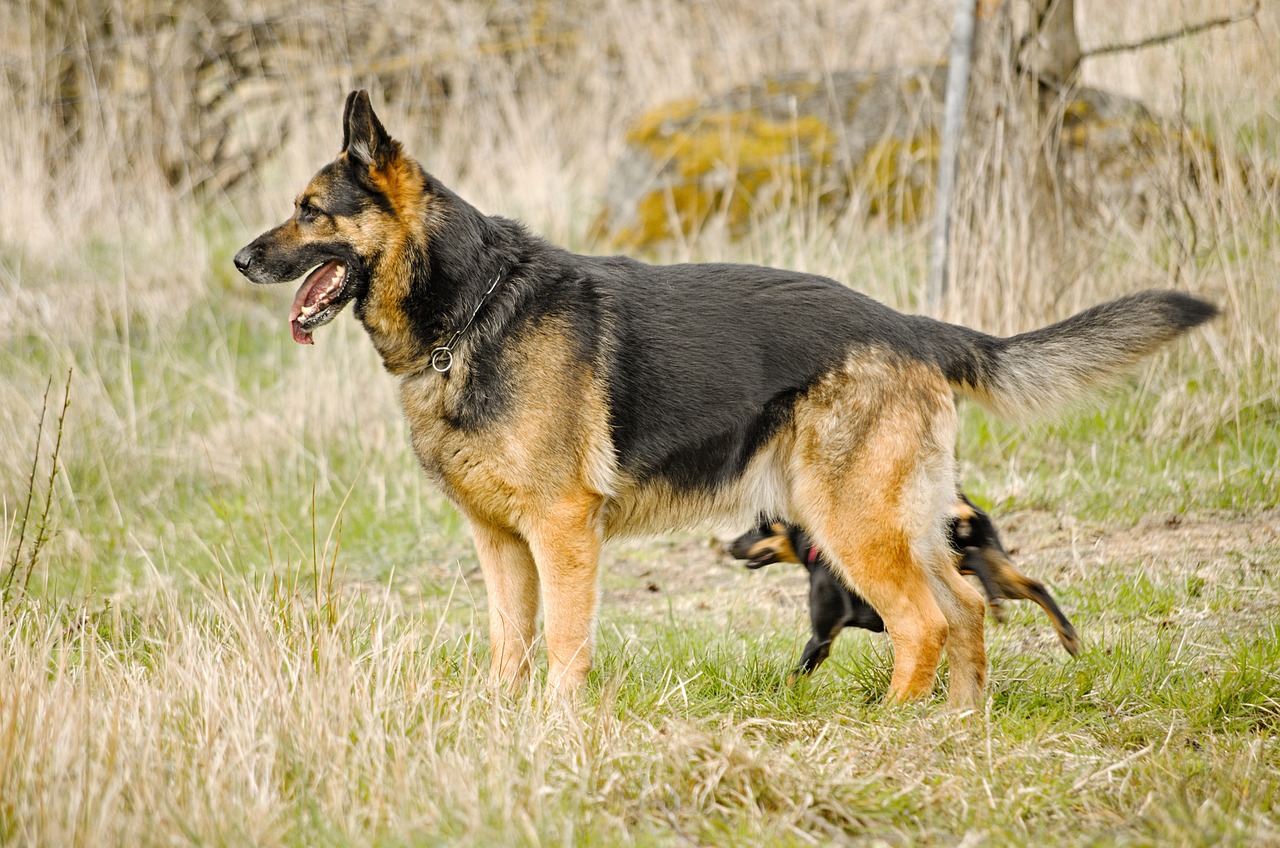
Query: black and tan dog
[(559, 400), (833, 606)]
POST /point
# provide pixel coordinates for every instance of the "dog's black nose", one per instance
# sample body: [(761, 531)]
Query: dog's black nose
[(243, 260)]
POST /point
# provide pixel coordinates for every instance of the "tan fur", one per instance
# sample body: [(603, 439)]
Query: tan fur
[(962, 511), (401, 184), (401, 350), (874, 475), (655, 506), (506, 474), (565, 540), (534, 508), (373, 233), (778, 544), (511, 582)]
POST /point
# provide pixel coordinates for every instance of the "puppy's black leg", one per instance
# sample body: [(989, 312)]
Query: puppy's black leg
[(829, 611), (815, 652), (974, 562), (1012, 583)]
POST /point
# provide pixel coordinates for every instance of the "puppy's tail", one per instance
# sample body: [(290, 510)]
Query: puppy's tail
[(1035, 373)]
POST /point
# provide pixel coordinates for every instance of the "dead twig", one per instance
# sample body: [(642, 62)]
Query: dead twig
[(1164, 38), (43, 528), (31, 489)]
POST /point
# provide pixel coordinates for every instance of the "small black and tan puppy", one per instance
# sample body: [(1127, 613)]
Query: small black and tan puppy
[(833, 606)]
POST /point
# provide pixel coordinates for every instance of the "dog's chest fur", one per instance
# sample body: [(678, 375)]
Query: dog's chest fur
[(548, 442)]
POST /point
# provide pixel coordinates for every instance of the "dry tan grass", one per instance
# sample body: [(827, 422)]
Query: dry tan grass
[(246, 713)]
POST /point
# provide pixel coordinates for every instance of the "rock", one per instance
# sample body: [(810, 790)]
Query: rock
[(830, 140)]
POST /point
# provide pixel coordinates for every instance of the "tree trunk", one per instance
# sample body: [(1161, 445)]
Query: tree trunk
[(1012, 225), (1051, 49)]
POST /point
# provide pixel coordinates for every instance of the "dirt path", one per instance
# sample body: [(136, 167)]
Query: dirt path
[(690, 573)]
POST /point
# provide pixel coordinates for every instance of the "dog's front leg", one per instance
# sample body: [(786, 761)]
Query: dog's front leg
[(511, 583), (566, 546)]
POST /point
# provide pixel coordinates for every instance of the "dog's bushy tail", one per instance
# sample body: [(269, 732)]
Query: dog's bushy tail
[(1035, 373)]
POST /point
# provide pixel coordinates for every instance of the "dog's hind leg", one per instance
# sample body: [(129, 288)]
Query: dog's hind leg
[(879, 565), (925, 604), (857, 521), (511, 584), (875, 473), (1014, 584), (966, 648), (566, 542), (928, 489)]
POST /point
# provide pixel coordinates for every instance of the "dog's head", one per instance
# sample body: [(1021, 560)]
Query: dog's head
[(768, 542), (356, 210), (960, 523), (972, 528)]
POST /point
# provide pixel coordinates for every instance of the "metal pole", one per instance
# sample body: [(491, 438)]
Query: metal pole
[(952, 130)]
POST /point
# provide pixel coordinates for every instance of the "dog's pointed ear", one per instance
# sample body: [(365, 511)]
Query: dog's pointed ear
[(363, 138)]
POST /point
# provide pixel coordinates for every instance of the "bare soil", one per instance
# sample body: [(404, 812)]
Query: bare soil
[(691, 574)]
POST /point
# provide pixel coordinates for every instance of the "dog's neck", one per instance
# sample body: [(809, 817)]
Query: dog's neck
[(803, 547), (447, 281)]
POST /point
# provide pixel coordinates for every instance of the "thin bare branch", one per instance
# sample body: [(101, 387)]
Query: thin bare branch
[(31, 488), (1164, 38), (43, 528)]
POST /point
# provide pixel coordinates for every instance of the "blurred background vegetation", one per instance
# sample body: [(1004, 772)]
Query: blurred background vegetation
[(143, 142), (119, 103)]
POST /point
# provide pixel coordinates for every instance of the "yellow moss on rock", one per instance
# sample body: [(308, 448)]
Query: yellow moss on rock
[(791, 138), (896, 176), (721, 163), (660, 119), (868, 137)]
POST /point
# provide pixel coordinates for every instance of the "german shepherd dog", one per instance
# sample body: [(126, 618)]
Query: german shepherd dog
[(833, 606), (559, 400)]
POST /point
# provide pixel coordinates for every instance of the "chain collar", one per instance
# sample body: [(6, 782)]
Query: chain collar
[(442, 356)]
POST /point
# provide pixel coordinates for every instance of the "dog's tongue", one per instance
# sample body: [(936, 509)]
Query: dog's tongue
[(300, 335), (313, 288)]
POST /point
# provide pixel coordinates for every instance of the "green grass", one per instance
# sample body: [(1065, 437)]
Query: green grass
[(255, 622), (1107, 464)]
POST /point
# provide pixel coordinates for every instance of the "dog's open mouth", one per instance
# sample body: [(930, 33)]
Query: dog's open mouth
[(751, 553), (761, 559), (319, 300)]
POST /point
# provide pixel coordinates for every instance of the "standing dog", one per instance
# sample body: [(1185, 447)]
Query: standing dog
[(559, 400), (833, 606)]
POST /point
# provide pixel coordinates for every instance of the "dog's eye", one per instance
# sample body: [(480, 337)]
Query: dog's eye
[(308, 211)]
